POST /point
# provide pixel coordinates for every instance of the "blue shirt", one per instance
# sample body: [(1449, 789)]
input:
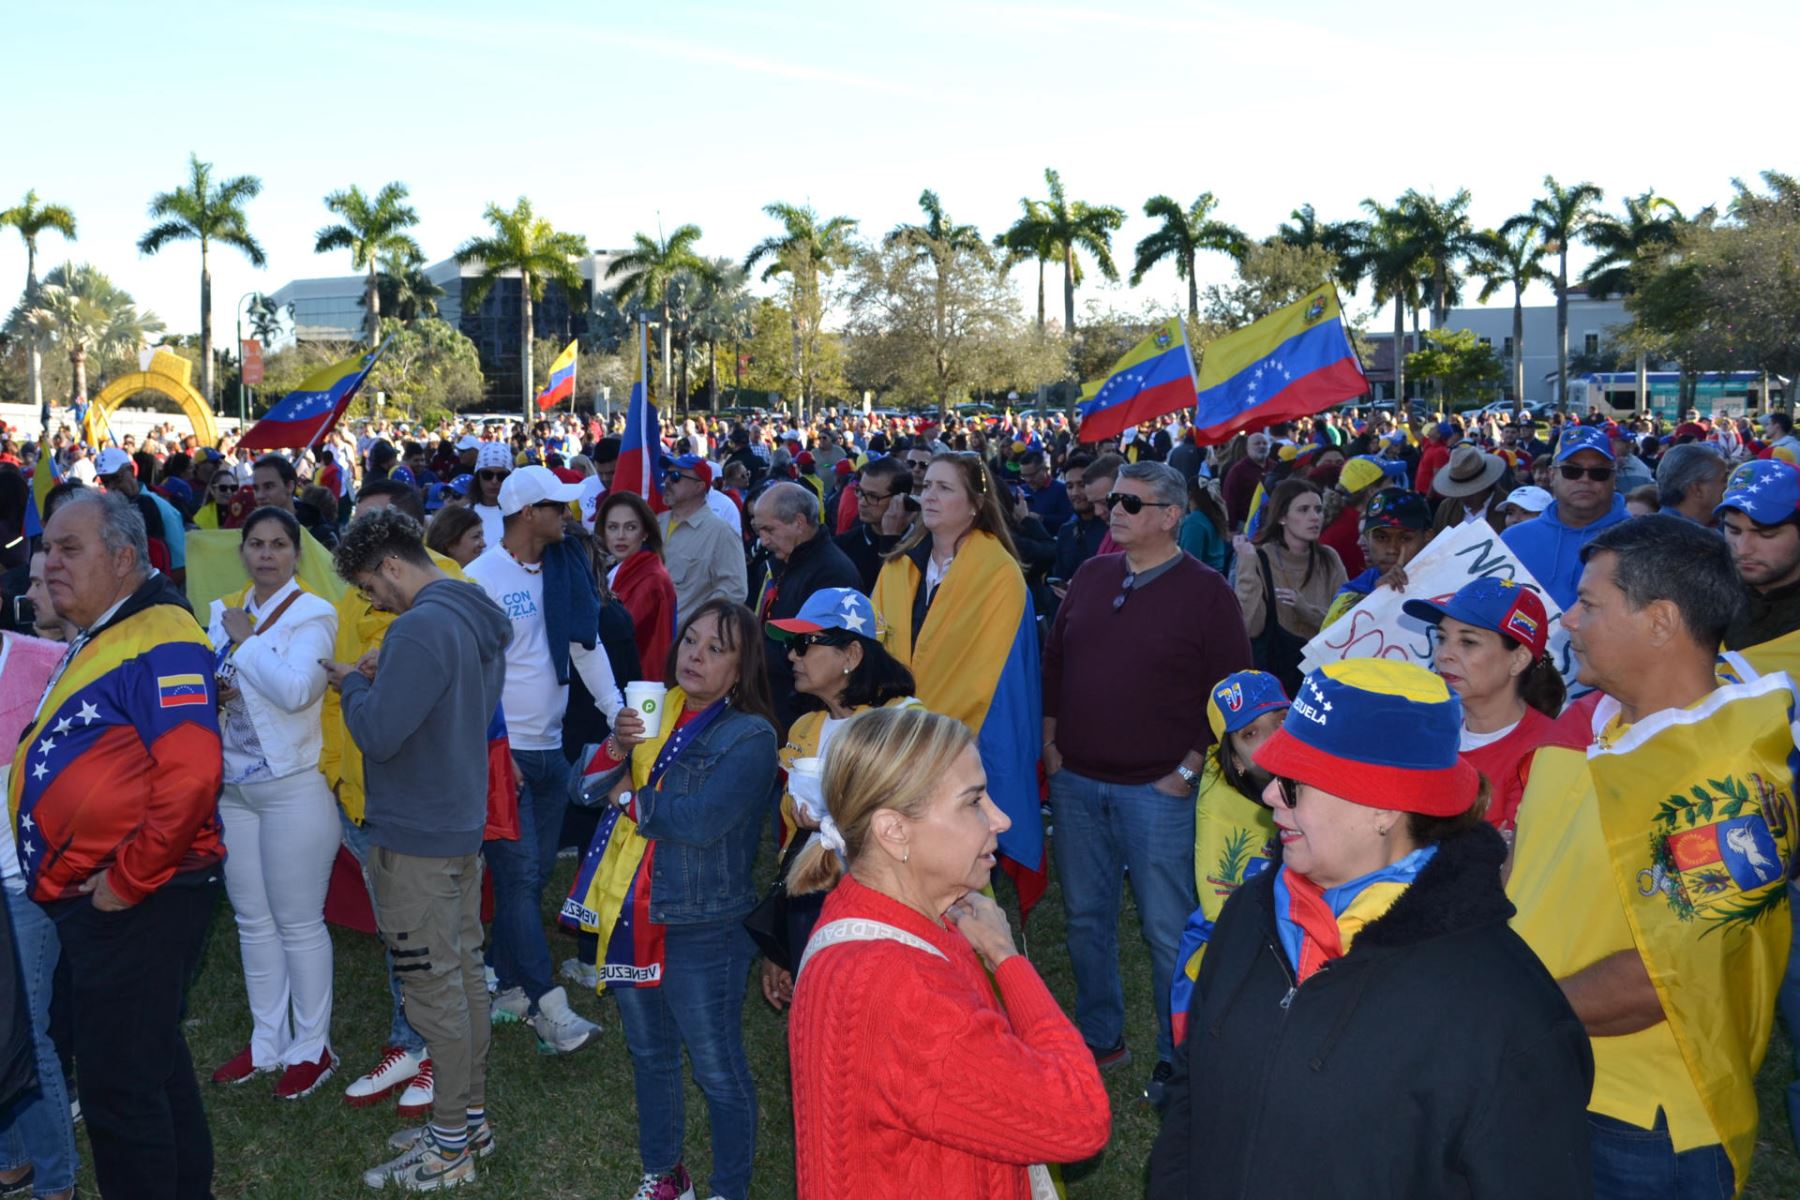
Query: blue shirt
[(1551, 550)]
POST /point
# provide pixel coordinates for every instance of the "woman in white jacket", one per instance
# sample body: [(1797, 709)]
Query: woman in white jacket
[(281, 825)]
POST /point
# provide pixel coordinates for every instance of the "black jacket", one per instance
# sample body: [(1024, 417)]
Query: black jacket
[(865, 546), (1436, 1060), (814, 565)]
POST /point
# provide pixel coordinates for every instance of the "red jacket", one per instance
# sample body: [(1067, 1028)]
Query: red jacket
[(912, 1082), (644, 587), (1507, 762), (1345, 536), (1433, 458)]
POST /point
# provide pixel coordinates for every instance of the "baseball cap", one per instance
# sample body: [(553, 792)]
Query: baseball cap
[(1359, 473), (1531, 498), (460, 485), (1379, 733), (111, 461), (468, 441), (1576, 438), (690, 462), (1765, 490), (533, 485), (492, 456), (1397, 508), (843, 609), (1489, 603), (404, 475), (438, 496), (1240, 698), (844, 467)]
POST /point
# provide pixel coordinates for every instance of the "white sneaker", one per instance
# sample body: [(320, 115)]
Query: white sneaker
[(560, 1029), (396, 1068), (416, 1100), (582, 974), (491, 979), (511, 1007), (425, 1166)]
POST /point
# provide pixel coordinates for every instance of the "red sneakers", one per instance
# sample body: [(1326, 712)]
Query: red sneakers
[(241, 1069), (302, 1079), (395, 1070)]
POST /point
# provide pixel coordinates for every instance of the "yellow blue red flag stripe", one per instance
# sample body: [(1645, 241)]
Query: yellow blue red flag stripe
[(562, 380), (307, 413), (1294, 362), (1156, 377)]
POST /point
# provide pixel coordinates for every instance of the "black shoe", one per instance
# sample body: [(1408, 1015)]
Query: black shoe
[(1156, 1091), (20, 1186), (1113, 1056)]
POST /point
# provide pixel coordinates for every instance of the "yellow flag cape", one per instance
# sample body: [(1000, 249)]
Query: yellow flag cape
[(1776, 654), (1698, 810), (214, 569)]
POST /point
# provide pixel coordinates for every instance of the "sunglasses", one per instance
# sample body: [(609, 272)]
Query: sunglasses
[(1288, 790), (1133, 504), (671, 475), (550, 504), (490, 476), (1597, 474), (807, 641)]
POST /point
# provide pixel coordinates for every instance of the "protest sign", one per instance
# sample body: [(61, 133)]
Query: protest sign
[(1377, 627)]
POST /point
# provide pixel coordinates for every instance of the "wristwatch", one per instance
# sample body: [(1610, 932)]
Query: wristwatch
[(1187, 773)]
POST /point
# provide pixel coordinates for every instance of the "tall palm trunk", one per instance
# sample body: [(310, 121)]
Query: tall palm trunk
[(206, 341), (1518, 351), (1193, 291), (1643, 385), (374, 307), (1400, 405), (1041, 265), (78, 385), (33, 359), (525, 342), (681, 384), (1069, 290), (667, 362), (1562, 330)]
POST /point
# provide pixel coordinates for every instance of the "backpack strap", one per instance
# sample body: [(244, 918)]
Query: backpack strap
[(860, 929)]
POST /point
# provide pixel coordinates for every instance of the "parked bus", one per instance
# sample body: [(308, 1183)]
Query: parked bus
[(1713, 393)]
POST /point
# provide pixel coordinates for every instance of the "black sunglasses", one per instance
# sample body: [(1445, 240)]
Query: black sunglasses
[(1125, 589), (491, 475), (550, 504), (1597, 474), (1133, 505), (807, 641), (1288, 790)]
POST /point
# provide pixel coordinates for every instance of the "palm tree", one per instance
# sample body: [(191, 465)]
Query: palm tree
[(807, 250), (203, 211), (722, 311), (1341, 239), (370, 229), (1184, 234), (265, 319), (649, 268), (31, 218), (1645, 235), (1514, 260), (1029, 237), (524, 242), (940, 242), (1443, 238), (1392, 262), (406, 291), (1077, 225), (88, 317), (1560, 216)]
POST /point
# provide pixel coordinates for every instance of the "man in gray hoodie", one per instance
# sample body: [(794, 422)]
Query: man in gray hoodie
[(419, 709)]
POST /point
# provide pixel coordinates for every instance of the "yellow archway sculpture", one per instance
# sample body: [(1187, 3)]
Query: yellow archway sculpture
[(169, 375)]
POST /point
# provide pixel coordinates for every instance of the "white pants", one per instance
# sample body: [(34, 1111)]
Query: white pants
[(281, 836)]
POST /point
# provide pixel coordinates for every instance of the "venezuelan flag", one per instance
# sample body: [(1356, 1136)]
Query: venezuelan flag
[(562, 380), (1294, 362), (307, 413), (44, 476), (1155, 378)]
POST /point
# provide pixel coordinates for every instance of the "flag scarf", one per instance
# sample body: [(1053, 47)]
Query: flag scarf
[(611, 893), (640, 451), (1698, 810), (1155, 378), (1294, 362), (1317, 924), (562, 380), (976, 659), (305, 415)]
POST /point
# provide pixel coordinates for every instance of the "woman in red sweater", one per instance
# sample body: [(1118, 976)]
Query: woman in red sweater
[(1489, 648), (909, 1071), (629, 531)]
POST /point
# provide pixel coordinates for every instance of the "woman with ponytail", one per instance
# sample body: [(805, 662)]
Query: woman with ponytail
[(908, 1068)]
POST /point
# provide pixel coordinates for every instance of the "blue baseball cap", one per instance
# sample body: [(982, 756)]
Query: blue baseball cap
[(438, 496), (843, 609), (1501, 605), (460, 485), (1766, 491), (689, 462), (1576, 438), (1379, 733), (403, 475), (1240, 698)]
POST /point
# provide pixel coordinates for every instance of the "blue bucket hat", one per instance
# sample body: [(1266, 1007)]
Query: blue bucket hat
[(1576, 438), (1766, 491)]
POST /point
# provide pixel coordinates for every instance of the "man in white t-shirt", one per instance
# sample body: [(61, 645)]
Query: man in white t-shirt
[(80, 468), (547, 591)]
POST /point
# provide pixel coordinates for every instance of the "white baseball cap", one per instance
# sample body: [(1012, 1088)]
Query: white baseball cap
[(493, 456), (111, 461), (1531, 499), (468, 442), (534, 485)]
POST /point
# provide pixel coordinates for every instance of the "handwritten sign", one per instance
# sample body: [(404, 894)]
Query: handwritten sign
[(1378, 628)]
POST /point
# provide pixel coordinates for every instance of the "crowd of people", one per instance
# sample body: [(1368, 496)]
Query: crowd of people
[(1532, 917)]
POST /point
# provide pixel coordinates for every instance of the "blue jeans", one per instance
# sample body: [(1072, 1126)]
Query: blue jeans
[(1631, 1163), (37, 1130), (700, 1004), (400, 1031), (517, 950), (1788, 1001), (1102, 830)]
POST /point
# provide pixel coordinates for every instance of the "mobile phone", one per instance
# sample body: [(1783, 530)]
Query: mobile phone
[(24, 613), (912, 504)]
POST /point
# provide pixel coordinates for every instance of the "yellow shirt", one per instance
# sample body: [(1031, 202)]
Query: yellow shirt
[(1570, 916)]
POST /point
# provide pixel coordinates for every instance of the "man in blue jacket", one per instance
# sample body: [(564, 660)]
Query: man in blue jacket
[(1587, 501)]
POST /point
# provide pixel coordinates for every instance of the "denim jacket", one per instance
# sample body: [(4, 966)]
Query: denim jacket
[(714, 804)]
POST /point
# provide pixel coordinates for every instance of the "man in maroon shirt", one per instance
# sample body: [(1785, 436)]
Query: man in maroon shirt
[(1137, 646)]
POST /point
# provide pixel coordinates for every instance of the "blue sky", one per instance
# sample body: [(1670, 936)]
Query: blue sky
[(611, 117)]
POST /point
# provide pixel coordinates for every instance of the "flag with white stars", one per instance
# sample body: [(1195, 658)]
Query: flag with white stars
[(1294, 362), (1154, 379), (306, 414)]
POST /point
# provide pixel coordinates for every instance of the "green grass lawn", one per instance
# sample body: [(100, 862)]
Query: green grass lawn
[(567, 1126)]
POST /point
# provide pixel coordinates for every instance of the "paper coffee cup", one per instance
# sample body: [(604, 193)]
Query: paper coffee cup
[(806, 784), (646, 697)]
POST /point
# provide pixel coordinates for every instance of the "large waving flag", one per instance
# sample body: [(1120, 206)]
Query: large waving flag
[(305, 415), (44, 476), (1294, 362), (1155, 378), (562, 380), (641, 449)]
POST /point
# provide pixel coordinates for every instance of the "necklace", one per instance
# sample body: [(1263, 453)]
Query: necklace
[(528, 568)]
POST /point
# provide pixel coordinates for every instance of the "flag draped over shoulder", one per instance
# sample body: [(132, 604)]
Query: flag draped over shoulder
[(562, 380), (1700, 820), (1294, 362), (976, 659), (307, 414), (1156, 377)]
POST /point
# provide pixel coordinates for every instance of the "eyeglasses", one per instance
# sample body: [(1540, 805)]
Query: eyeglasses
[(807, 641), (873, 497), (1288, 790), (1125, 589), (490, 476), (1133, 504), (1598, 474)]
